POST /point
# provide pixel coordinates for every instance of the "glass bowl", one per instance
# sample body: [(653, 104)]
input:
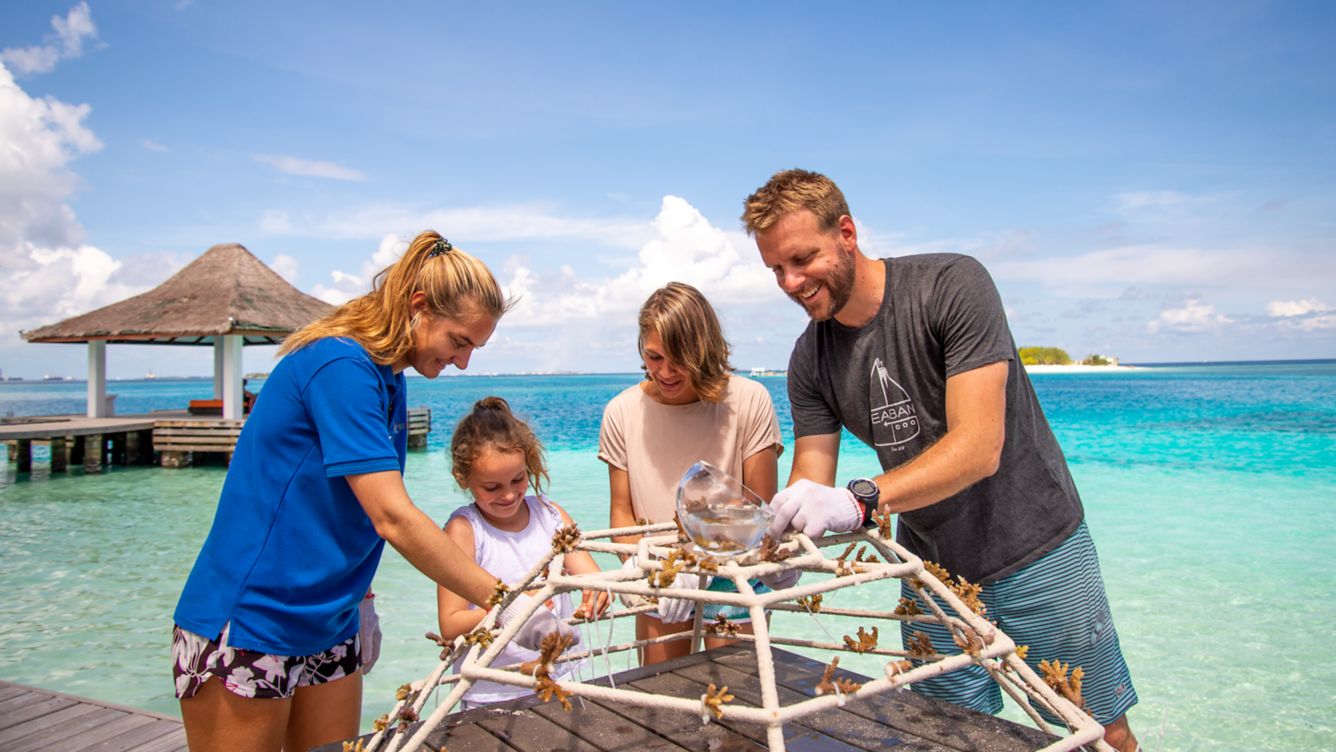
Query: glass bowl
[(719, 515)]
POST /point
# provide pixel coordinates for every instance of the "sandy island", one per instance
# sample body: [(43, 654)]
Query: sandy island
[(1076, 368)]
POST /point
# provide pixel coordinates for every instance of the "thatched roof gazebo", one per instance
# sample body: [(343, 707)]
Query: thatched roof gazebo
[(225, 299)]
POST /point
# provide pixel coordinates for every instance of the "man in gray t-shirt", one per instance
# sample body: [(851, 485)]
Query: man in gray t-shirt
[(914, 357)]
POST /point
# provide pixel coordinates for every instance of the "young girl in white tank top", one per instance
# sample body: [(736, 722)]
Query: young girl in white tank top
[(496, 458)]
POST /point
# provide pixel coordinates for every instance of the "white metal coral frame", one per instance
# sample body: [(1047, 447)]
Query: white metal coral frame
[(993, 650)]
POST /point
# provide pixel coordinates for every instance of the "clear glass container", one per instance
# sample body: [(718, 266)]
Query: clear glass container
[(719, 515)]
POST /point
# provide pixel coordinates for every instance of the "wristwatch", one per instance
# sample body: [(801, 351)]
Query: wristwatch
[(867, 493)]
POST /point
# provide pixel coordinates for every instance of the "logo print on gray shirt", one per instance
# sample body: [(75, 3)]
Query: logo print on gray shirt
[(894, 417)]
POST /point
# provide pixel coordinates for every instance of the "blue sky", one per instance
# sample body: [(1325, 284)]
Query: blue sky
[(1153, 181)]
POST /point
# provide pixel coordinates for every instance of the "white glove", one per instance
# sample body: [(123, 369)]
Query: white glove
[(540, 625), (368, 634), (674, 610), (630, 600), (815, 510), (781, 580)]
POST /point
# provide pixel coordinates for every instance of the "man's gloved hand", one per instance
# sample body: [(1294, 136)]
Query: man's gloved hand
[(815, 510), (673, 610), (780, 580), (541, 624), (368, 633)]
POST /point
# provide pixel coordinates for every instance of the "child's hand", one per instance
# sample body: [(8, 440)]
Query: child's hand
[(592, 604)]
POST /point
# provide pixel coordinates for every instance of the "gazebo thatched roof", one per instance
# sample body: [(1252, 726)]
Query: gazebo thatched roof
[(225, 291)]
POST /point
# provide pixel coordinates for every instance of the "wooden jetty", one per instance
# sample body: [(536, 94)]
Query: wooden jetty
[(173, 437), (900, 720), (38, 719)]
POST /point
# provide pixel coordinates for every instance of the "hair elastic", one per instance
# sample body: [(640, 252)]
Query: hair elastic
[(441, 247)]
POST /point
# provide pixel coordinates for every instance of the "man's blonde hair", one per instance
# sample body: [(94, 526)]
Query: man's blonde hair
[(791, 190), (455, 283), (691, 335)]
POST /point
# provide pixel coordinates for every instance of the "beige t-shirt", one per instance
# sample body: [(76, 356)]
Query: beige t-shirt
[(656, 443)]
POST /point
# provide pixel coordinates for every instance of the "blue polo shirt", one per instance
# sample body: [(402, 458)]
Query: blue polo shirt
[(291, 553)]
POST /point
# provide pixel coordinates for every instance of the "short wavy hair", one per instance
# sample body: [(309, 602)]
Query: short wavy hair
[(790, 190), (691, 335)]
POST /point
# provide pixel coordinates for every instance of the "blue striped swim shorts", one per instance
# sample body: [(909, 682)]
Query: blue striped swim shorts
[(1055, 605), (738, 614)]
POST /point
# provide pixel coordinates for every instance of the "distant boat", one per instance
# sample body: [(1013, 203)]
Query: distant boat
[(150, 375), (766, 372), (49, 377)]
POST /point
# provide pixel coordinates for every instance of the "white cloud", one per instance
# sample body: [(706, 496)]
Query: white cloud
[(683, 246), (1287, 308), (475, 224), (1309, 314), (308, 168), (152, 145), (1139, 200), (286, 267), (346, 286), (1112, 270), (50, 272), (64, 43), (1194, 317)]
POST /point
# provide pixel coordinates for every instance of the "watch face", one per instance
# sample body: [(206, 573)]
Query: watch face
[(865, 489)]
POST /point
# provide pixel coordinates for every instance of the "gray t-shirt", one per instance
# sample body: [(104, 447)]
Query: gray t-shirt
[(886, 382)]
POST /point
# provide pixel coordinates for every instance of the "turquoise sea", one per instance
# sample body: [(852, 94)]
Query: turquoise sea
[(1210, 491)]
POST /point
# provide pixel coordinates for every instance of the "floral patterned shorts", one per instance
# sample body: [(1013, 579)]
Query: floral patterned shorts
[(249, 673)]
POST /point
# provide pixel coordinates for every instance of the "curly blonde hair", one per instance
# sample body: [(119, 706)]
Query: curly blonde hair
[(491, 423)]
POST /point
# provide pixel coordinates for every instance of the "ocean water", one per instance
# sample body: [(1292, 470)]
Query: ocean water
[(1210, 492)]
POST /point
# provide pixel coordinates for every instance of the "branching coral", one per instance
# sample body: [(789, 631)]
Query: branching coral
[(810, 602), (829, 684), (723, 627), (479, 636), (866, 641), (715, 699), (1055, 676), (919, 645), (907, 607), (566, 538), (499, 594)]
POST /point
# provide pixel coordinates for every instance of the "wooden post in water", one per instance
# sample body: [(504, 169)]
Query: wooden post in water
[(24, 455), (59, 458), (77, 450), (117, 454), (92, 454), (132, 453)]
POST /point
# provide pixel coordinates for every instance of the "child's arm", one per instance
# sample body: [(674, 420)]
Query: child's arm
[(453, 611), (593, 602)]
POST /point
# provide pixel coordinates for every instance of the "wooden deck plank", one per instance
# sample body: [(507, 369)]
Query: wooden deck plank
[(95, 735), (15, 715), (34, 719), (605, 729), (468, 736), (38, 725), (135, 738), (172, 741), (534, 733), (850, 728), (950, 725), (12, 704), (11, 690), (797, 737), (56, 736)]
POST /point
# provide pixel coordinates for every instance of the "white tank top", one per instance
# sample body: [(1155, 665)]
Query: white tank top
[(509, 556)]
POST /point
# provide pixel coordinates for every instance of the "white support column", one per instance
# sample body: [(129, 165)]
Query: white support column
[(217, 367), (232, 407), (97, 379)]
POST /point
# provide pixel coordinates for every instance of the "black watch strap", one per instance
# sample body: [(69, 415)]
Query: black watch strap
[(867, 493)]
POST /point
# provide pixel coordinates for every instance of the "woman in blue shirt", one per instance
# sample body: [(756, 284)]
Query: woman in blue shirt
[(266, 653)]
